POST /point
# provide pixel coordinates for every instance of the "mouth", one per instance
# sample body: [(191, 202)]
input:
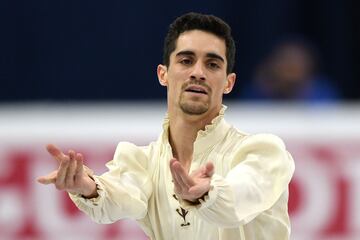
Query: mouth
[(196, 89)]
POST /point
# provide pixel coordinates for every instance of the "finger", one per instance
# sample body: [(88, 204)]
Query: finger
[(171, 164), (55, 152), (172, 161), (70, 173), (199, 190), (177, 185), (209, 169), (184, 176), (177, 178), (62, 171), (79, 166), (50, 178)]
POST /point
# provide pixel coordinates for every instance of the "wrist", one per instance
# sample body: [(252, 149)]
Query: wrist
[(197, 200), (91, 190)]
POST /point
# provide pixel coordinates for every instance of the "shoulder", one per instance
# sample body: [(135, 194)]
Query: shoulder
[(263, 141), (128, 153), (128, 147), (242, 139), (262, 148)]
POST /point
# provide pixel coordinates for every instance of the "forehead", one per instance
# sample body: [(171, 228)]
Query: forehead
[(200, 43)]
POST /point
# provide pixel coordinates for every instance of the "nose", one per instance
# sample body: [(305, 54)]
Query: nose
[(198, 71)]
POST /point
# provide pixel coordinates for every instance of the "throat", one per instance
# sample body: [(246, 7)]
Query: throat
[(182, 146)]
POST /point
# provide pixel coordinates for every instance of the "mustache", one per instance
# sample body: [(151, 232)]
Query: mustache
[(196, 82)]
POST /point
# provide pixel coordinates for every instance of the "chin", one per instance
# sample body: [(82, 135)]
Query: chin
[(194, 108)]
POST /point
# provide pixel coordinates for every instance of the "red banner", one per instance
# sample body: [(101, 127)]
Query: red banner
[(324, 193)]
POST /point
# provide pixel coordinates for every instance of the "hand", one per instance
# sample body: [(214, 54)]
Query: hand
[(70, 176), (194, 186)]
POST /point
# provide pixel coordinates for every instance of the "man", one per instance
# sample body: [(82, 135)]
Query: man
[(202, 178)]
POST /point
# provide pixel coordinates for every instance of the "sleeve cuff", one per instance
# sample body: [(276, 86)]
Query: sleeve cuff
[(207, 200), (90, 202)]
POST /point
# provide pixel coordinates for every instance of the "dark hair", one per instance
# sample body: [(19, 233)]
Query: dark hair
[(196, 21)]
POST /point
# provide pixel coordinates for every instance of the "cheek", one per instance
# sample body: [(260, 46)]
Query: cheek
[(175, 82), (218, 89), (174, 89), (218, 94)]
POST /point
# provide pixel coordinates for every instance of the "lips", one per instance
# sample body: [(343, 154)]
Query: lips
[(196, 89)]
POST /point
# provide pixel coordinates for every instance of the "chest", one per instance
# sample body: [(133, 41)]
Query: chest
[(165, 207)]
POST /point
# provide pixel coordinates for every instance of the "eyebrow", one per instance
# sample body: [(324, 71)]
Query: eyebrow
[(209, 55)]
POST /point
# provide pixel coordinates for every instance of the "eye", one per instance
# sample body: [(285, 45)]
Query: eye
[(213, 65), (186, 61)]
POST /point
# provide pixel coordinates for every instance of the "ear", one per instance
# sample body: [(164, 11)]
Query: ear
[(162, 74), (230, 82)]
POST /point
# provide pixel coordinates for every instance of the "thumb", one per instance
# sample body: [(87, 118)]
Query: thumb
[(50, 178)]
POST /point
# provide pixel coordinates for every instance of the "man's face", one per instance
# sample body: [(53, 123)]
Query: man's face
[(196, 77)]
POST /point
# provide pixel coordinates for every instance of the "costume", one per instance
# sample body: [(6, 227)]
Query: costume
[(247, 200)]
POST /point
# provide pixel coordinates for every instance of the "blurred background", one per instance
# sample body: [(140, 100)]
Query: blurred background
[(82, 74)]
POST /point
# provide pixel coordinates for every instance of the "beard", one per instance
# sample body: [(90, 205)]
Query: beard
[(194, 105), (193, 108)]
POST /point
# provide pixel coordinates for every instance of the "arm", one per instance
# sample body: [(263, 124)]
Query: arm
[(261, 170), (122, 192)]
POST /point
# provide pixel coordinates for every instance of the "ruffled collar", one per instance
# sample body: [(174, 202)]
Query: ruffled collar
[(206, 138), (214, 123)]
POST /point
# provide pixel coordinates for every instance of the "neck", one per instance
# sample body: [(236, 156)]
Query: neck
[(183, 131)]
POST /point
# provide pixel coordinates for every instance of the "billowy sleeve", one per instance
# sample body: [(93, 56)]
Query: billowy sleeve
[(123, 190), (261, 170)]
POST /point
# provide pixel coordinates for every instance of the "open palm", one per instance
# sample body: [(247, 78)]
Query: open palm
[(192, 186), (70, 176)]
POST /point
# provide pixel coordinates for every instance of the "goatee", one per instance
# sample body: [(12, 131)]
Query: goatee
[(193, 109)]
